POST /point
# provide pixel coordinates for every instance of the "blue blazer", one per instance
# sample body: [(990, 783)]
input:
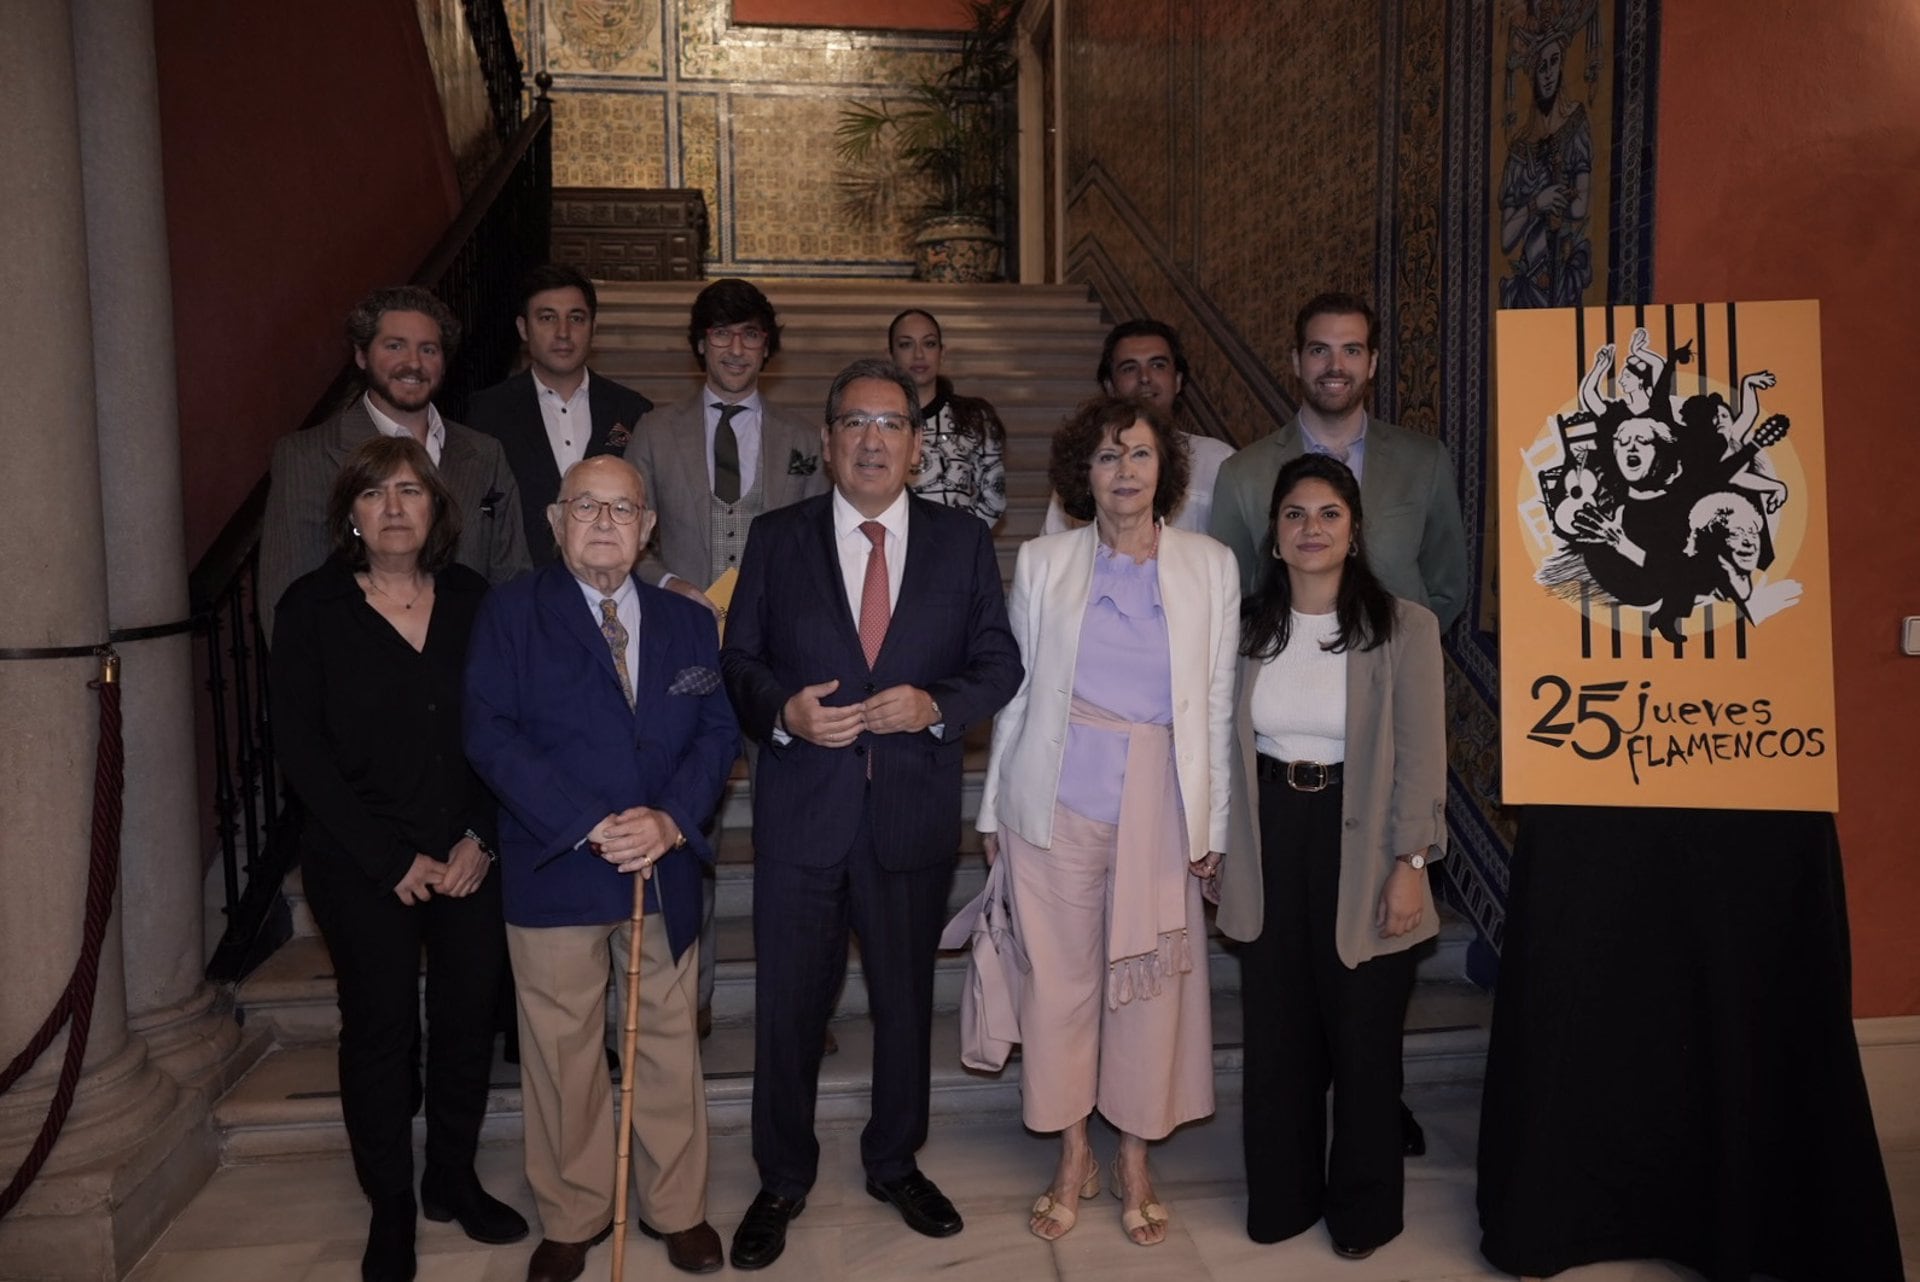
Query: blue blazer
[(791, 625), (549, 731)]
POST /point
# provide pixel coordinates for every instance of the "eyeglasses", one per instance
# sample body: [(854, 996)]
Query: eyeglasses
[(888, 424), (587, 511), (751, 337)]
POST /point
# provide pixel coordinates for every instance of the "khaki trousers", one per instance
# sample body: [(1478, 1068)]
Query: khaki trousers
[(560, 975)]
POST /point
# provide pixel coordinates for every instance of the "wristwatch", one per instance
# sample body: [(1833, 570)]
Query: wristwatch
[(492, 856), (1414, 861), (937, 718)]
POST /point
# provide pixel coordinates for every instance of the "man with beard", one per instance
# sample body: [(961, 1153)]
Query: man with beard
[(1142, 359), (1414, 537), (401, 339)]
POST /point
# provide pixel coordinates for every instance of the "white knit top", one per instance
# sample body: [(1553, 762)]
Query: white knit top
[(1299, 702)]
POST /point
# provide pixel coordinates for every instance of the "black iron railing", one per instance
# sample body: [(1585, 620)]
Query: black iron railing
[(501, 232)]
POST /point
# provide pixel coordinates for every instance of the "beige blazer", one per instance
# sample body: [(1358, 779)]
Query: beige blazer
[(670, 449), (1199, 589), (1394, 791)]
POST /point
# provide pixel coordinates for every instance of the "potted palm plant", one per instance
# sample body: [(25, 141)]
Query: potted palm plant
[(942, 153)]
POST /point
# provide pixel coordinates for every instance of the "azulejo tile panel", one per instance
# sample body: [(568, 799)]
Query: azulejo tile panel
[(603, 37), (610, 140), (786, 202), (662, 93)]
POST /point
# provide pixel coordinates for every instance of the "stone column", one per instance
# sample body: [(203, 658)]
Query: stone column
[(169, 1003), (94, 1206)]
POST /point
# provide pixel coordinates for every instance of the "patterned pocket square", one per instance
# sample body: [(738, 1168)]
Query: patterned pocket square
[(695, 681)]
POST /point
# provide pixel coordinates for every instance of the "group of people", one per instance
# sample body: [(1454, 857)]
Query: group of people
[(502, 694)]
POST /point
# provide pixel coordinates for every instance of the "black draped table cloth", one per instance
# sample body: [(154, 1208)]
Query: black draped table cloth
[(1673, 1071)]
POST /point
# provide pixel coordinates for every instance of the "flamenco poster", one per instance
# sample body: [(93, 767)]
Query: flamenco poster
[(1665, 609)]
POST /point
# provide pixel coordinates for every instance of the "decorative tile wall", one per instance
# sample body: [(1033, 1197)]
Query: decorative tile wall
[(651, 93), (1227, 159)]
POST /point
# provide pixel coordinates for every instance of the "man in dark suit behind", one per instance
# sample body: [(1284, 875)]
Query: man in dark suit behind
[(402, 338), (868, 632), (556, 411)]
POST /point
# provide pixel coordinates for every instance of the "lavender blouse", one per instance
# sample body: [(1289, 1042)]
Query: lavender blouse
[(1123, 666)]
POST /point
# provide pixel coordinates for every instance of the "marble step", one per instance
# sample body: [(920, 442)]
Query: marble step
[(288, 1105)]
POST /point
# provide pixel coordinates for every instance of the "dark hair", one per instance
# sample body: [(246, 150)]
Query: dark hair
[(374, 462), (732, 302), (1363, 606), (546, 276), (1142, 328), (939, 334), (363, 322), (1098, 421), (886, 372), (1336, 303)]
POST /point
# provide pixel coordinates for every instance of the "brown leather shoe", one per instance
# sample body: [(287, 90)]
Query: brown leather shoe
[(562, 1261), (694, 1250)]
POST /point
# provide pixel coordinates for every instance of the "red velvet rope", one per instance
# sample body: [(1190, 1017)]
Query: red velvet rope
[(76, 1002)]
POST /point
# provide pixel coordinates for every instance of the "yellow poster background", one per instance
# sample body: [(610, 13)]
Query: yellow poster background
[(1601, 705)]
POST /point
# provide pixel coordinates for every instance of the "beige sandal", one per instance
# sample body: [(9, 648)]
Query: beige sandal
[(1047, 1208), (1150, 1216)]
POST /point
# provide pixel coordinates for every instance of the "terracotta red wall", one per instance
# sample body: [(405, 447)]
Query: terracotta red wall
[(306, 161), (1789, 167)]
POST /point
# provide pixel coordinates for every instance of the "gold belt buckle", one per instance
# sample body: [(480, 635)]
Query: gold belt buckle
[(1297, 786)]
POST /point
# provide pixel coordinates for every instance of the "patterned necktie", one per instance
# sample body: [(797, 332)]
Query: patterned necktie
[(616, 634), (875, 609), (726, 455)]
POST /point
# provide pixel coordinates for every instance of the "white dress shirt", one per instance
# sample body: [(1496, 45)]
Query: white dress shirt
[(436, 441), (568, 420), (746, 430), (855, 547)]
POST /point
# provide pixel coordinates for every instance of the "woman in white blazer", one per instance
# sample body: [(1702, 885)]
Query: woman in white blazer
[(1108, 793), (1342, 722)]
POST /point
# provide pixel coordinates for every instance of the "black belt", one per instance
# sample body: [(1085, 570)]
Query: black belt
[(1301, 776)]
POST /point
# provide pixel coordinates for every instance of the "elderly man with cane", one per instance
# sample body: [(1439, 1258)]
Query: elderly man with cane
[(594, 710)]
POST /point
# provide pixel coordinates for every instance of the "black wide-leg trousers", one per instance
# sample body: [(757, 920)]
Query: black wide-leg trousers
[(1312, 1023)]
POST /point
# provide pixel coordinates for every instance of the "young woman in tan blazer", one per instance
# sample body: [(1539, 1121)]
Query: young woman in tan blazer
[(1340, 807)]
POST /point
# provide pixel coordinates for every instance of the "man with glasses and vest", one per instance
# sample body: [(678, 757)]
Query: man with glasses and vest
[(714, 462), (595, 711)]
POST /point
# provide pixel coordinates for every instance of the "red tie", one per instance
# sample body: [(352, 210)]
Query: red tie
[(875, 610)]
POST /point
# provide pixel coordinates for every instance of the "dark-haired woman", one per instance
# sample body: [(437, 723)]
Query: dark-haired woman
[(962, 459), (1107, 793), (1343, 743), (366, 668)]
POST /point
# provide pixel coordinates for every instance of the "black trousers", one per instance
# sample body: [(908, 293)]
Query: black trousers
[(1312, 1023), (801, 919), (375, 941)]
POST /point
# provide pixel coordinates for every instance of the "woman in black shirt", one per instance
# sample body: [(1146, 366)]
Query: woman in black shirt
[(367, 661)]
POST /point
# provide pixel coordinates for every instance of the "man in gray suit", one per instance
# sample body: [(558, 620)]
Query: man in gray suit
[(713, 463), (401, 339), (723, 456), (1415, 538)]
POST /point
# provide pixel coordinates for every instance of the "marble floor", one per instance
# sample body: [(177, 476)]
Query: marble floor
[(303, 1220)]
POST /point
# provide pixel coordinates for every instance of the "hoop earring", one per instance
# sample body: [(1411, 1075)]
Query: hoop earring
[(356, 531), (1353, 549), (1276, 552)]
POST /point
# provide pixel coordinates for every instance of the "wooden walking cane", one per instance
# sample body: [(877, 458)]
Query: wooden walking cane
[(630, 1034)]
